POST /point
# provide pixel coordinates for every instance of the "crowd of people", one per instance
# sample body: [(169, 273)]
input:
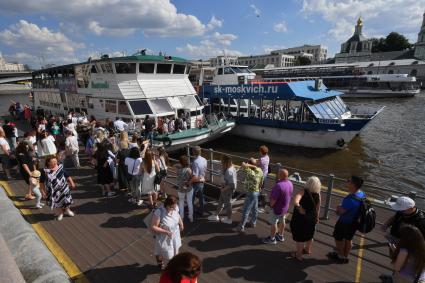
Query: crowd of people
[(134, 168)]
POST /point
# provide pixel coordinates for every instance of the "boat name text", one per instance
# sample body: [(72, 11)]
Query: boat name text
[(252, 89)]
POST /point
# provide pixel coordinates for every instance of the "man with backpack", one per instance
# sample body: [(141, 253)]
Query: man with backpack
[(347, 223)]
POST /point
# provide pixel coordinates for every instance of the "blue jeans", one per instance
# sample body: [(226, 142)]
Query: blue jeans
[(149, 136), (250, 206), (198, 191)]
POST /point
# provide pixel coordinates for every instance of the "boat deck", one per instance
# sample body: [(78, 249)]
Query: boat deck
[(107, 242)]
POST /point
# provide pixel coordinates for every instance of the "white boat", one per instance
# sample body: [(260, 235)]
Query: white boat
[(128, 87), (303, 113), (20, 88), (374, 86)]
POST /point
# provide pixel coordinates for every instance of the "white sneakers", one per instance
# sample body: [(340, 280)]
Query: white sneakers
[(140, 202), (69, 213), (215, 218)]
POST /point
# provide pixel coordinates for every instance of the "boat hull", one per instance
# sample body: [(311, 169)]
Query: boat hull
[(370, 93), (215, 133), (293, 137)]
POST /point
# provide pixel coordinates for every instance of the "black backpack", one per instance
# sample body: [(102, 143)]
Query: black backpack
[(366, 219)]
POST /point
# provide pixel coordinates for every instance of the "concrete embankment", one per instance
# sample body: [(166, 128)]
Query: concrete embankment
[(32, 257)]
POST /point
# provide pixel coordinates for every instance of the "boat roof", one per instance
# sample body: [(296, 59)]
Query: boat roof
[(298, 91), (135, 57)]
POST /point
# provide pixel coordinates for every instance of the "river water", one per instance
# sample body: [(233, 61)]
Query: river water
[(389, 152)]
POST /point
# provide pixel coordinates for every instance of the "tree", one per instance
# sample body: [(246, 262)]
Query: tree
[(393, 42), (396, 42), (301, 61)]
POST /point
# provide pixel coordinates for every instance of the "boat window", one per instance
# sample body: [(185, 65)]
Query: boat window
[(93, 69), (228, 71), (280, 109), (232, 102), (161, 106), (163, 68), (146, 68), (125, 68), (140, 107), (178, 69), (63, 98), (89, 102), (220, 71), (188, 70), (111, 106), (189, 101), (106, 67), (267, 109), (294, 111), (122, 108)]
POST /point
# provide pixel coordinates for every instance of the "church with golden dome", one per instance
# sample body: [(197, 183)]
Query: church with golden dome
[(357, 48)]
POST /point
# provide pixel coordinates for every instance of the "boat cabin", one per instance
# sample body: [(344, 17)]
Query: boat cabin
[(129, 87)]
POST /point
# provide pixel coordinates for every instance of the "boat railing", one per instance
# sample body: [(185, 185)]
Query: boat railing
[(333, 187)]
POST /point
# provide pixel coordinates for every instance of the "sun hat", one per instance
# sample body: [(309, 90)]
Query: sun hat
[(36, 174), (403, 203)]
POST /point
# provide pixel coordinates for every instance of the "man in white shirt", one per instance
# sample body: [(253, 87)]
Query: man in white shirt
[(120, 125), (72, 148)]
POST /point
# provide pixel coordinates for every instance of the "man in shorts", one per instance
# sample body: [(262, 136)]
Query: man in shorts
[(280, 197)]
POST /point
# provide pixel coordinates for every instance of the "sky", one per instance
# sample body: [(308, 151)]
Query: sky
[(40, 32)]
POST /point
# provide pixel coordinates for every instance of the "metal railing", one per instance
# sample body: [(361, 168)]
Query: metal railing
[(378, 194)]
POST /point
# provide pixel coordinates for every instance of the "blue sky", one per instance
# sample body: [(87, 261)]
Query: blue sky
[(55, 31)]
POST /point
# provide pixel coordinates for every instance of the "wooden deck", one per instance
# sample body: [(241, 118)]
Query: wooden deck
[(107, 242)]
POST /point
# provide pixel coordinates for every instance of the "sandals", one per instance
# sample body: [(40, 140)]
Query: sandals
[(295, 256)]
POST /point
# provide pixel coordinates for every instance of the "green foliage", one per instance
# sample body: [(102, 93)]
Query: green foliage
[(393, 42), (302, 61)]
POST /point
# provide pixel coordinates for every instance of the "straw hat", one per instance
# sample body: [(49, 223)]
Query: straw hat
[(36, 174)]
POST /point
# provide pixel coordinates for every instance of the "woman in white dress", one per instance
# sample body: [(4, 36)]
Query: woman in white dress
[(167, 224), (150, 167)]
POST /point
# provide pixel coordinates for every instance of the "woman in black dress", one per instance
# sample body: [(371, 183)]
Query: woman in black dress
[(305, 217), (105, 177), (123, 153), (25, 157)]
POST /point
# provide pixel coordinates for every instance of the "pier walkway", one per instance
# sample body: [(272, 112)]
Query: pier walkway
[(107, 242)]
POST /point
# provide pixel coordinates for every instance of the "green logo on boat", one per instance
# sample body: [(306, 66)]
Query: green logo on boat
[(99, 84)]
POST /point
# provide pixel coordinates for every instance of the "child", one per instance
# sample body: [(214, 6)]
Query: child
[(35, 187)]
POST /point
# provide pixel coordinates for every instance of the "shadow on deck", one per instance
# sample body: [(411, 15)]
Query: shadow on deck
[(108, 242)]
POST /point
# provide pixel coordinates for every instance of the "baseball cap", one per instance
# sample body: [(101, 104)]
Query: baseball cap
[(403, 203)]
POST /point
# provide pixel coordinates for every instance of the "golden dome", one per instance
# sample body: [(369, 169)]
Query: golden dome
[(359, 22)]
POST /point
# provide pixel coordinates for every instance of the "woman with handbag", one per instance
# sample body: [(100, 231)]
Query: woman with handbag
[(149, 169), (167, 224), (305, 217), (134, 175), (56, 187), (185, 190)]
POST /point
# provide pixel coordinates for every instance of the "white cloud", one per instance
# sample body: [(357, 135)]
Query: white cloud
[(206, 51), (114, 17), (224, 39), (33, 41), (214, 23), (280, 27), (211, 46), (257, 11), (98, 30), (380, 16)]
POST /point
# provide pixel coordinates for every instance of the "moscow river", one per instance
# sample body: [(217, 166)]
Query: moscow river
[(390, 152)]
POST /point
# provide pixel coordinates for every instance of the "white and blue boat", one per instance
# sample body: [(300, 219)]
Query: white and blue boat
[(303, 113)]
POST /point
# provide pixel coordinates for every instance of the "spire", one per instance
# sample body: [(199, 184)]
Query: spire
[(359, 26)]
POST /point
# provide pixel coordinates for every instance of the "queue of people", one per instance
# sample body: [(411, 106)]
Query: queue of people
[(133, 167)]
